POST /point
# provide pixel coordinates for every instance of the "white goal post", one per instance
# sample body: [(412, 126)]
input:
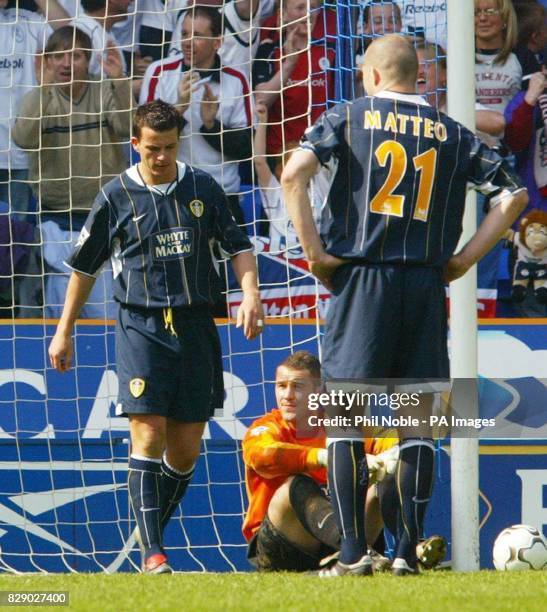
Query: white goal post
[(63, 451), (464, 452)]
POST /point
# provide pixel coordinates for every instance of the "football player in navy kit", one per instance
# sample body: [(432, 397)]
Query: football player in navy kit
[(158, 222), (389, 232)]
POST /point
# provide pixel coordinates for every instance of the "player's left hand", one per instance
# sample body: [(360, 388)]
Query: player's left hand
[(250, 316), (324, 268), (60, 352), (455, 268)]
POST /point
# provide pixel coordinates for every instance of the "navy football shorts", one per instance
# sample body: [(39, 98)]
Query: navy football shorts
[(177, 376), (270, 551), (386, 321)]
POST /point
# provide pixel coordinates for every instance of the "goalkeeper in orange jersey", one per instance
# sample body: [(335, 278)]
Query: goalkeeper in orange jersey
[(290, 524)]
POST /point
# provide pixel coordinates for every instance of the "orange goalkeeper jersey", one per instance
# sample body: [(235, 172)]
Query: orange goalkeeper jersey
[(272, 453), (375, 446)]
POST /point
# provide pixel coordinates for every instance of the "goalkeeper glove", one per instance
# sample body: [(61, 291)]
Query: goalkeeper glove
[(376, 469), (322, 457), (388, 461)]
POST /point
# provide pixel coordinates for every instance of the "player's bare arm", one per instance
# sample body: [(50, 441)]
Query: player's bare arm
[(492, 230), (301, 167), (490, 122), (250, 314), (60, 349)]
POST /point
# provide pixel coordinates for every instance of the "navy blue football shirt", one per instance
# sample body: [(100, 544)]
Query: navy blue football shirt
[(401, 170), (160, 242)]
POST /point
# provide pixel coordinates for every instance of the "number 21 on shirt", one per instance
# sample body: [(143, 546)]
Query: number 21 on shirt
[(385, 202)]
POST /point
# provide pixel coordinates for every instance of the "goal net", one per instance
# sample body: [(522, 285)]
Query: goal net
[(63, 451)]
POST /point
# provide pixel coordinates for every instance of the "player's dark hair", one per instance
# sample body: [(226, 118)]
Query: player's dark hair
[(209, 12), (90, 6), (303, 360), (68, 38), (158, 116)]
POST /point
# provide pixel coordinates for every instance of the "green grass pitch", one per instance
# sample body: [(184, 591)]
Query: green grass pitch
[(484, 591)]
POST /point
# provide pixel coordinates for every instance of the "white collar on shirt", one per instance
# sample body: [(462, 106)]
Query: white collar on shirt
[(403, 97), (164, 188)]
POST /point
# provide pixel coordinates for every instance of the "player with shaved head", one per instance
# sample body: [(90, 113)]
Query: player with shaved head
[(386, 247), (390, 60)]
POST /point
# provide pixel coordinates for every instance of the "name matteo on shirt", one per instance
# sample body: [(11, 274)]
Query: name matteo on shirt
[(399, 123)]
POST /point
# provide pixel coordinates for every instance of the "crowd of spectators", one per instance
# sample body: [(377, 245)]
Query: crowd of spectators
[(248, 76)]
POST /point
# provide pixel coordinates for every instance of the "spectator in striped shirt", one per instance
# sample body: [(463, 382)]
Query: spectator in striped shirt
[(213, 99)]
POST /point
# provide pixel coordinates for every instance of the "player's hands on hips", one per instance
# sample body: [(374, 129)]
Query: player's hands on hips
[(455, 268), (60, 352), (325, 267), (250, 315)]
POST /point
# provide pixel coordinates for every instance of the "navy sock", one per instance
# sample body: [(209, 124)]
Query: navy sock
[(174, 485), (144, 485), (348, 481), (414, 479)]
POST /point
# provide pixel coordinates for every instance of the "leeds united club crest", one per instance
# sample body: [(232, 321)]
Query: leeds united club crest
[(136, 386), (197, 207)]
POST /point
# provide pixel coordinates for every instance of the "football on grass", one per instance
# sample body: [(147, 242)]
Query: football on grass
[(520, 547)]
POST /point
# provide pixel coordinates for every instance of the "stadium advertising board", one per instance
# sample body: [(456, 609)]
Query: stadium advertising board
[(63, 451)]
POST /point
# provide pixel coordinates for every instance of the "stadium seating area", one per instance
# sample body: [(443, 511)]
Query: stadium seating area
[(292, 60)]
